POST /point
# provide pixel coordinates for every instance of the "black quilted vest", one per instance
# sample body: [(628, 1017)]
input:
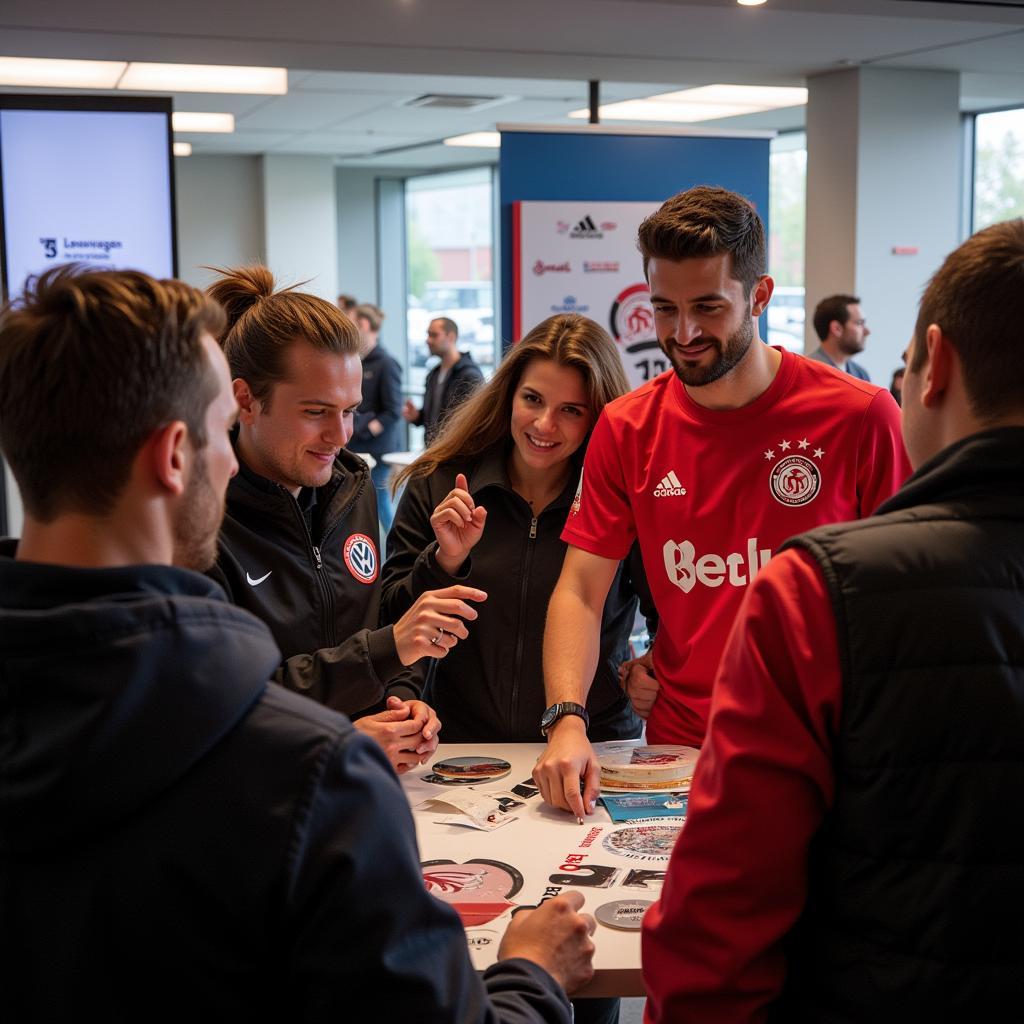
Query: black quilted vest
[(915, 907)]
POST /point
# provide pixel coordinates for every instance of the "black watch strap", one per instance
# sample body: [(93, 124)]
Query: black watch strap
[(557, 711)]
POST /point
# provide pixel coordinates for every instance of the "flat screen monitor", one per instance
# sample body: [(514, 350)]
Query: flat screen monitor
[(85, 180)]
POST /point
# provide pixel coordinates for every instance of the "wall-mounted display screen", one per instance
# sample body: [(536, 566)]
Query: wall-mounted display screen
[(85, 180)]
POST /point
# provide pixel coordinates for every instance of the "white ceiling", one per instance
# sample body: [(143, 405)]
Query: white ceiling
[(353, 66)]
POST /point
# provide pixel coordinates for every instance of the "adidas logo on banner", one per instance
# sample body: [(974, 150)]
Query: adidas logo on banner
[(669, 486), (586, 228)]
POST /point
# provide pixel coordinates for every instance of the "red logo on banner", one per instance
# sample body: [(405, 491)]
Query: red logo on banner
[(632, 318)]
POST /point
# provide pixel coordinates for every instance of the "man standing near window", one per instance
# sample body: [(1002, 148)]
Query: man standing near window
[(378, 418), (449, 383), (840, 325)]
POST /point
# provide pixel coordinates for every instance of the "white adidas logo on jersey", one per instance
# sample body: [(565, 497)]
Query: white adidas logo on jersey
[(669, 486)]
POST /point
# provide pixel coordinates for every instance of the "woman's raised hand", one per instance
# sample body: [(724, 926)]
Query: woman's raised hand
[(458, 523)]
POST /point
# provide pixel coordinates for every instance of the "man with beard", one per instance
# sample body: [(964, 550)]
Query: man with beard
[(711, 465), (179, 836), (842, 330)]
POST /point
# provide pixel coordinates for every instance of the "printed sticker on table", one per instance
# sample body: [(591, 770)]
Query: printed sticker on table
[(644, 878), (644, 841), (624, 915), (478, 890)]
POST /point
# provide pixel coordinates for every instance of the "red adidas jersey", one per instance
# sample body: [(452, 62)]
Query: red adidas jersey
[(712, 493)]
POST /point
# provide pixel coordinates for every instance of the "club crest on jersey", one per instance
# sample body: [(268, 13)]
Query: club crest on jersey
[(794, 480), (361, 557)]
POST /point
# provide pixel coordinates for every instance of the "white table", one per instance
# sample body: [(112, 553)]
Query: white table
[(544, 842), (399, 460)]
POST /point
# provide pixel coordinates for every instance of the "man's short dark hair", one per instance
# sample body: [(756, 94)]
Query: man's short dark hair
[(91, 363), (706, 221), (832, 307), (977, 298), (447, 325)]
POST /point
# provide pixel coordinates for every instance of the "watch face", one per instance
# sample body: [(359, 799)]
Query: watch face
[(548, 717)]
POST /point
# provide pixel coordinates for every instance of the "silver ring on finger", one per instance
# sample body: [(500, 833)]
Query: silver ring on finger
[(436, 641)]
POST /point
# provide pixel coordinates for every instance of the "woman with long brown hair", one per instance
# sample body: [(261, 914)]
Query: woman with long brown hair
[(485, 505)]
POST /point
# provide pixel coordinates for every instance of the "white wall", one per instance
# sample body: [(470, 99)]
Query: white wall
[(300, 222), (357, 232), (220, 213), (883, 173)]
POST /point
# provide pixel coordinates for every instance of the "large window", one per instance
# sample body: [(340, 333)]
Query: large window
[(787, 194), (449, 260), (998, 167)]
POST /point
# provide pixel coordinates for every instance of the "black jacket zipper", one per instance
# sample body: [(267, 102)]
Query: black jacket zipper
[(520, 632)]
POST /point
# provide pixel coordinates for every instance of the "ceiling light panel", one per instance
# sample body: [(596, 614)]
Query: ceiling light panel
[(705, 103), (194, 121), (204, 78), (479, 140), (60, 74), (182, 148)]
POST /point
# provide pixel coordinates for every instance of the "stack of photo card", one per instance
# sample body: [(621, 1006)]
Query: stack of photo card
[(626, 768)]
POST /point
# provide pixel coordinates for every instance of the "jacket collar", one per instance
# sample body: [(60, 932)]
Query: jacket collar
[(247, 488), (39, 586), (491, 471), (989, 464)]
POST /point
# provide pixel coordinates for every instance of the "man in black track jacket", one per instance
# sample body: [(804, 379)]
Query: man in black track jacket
[(179, 838), (300, 541)]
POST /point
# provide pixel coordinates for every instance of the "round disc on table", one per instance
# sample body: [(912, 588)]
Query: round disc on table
[(626, 915)]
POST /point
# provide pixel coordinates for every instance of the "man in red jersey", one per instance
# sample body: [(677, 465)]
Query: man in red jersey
[(848, 853), (711, 466)]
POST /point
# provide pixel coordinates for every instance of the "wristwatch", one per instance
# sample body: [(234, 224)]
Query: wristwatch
[(557, 711)]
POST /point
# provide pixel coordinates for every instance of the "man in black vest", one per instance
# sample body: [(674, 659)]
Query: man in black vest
[(180, 838), (853, 849)]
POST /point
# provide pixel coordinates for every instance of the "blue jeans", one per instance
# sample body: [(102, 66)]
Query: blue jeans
[(380, 474)]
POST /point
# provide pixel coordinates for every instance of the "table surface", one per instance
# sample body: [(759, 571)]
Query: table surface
[(542, 843), (400, 459)]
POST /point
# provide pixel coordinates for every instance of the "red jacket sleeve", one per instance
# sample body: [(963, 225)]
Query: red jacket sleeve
[(712, 945), (882, 463)]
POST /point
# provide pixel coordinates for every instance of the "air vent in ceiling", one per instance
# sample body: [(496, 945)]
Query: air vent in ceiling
[(452, 101)]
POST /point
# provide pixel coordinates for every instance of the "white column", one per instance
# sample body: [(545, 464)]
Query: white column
[(300, 222), (884, 173)]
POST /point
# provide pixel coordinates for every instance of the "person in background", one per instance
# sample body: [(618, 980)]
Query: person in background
[(448, 384), (182, 839), (896, 385), (711, 465), (298, 547), (485, 505), (847, 853), (378, 420), (842, 331), (347, 304)]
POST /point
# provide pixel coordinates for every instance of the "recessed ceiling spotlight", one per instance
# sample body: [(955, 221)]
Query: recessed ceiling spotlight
[(182, 149), (751, 3)]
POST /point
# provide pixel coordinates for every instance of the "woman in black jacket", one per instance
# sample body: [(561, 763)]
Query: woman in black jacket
[(485, 505)]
